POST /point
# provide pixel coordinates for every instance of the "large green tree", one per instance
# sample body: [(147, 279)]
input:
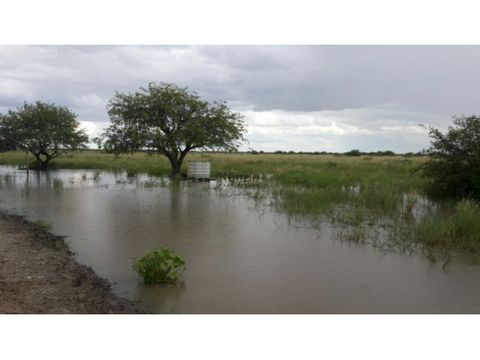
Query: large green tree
[(44, 130), (454, 159), (171, 120)]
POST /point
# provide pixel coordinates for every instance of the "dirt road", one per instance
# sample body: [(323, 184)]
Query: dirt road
[(38, 274)]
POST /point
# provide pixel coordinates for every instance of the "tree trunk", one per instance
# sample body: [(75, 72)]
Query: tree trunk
[(176, 165), (42, 164), (176, 161)]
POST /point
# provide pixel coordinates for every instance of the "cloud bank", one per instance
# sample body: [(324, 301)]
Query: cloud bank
[(310, 98)]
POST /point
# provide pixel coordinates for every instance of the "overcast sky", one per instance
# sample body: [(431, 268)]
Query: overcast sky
[(310, 98)]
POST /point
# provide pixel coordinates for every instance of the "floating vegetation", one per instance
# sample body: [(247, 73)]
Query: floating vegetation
[(160, 267)]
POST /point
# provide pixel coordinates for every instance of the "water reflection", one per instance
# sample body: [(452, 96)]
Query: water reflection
[(240, 258)]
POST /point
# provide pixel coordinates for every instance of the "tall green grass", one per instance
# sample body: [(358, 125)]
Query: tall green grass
[(457, 228), (290, 169)]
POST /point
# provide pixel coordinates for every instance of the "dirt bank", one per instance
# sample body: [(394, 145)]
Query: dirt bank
[(38, 274)]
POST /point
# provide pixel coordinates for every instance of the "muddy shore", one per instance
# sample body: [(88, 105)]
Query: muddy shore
[(38, 274)]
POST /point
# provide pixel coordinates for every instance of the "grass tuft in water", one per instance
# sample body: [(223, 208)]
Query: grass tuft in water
[(457, 229), (57, 184), (356, 234)]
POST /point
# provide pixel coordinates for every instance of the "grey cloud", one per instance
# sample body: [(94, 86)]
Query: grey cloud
[(428, 78), (362, 86)]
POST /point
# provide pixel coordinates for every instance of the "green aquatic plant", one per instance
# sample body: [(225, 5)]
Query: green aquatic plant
[(458, 229), (57, 184), (160, 267)]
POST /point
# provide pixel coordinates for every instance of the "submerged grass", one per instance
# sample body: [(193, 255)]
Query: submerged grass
[(457, 228), (57, 184)]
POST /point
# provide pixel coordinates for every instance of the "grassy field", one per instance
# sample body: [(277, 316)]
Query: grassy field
[(289, 168), (378, 199)]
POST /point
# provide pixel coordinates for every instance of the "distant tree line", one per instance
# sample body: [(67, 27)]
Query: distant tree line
[(354, 152)]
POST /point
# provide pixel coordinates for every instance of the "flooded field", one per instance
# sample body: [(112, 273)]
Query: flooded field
[(242, 256)]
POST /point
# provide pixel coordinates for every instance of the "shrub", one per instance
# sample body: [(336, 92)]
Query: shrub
[(160, 267), (382, 153), (354, 152), (454, 160)]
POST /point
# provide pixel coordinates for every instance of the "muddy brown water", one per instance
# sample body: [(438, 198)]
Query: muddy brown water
[(241, 258)]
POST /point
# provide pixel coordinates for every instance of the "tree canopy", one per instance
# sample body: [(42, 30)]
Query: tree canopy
[(454, 159), (171, 120), (44, 130)]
